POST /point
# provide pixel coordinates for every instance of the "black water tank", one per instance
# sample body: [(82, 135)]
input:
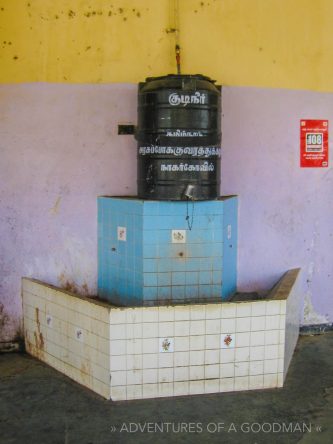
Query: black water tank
[(179, 138)]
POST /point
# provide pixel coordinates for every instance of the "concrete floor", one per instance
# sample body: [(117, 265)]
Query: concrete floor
[(39, 405)]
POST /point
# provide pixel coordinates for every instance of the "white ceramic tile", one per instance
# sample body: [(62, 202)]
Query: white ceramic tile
[(213, 311), (270, 366), (212, 342), (282, 336), (256, 368), (150, 391), (272, 308), (227, 370), (182, 328), (197, 342), (227, 355), (256, 382), (181, 359), (118, 316), (197, 327), (150, 330), (258, 323), (213, 326), (181, 388), (228, 340), (150, 360), (197, 312), (271, 351), (228, 310), (242, 339), (118, 393), (134, 377), (212, 356), (118, 363), (150, 345), (166, 329), (281, 350), (133, 362), (118, 331), (257, 338), (150, 314), (283, 307), (197, 387), (181, 373), (165, 389), (212, 386), (134, 391), (242, 354), (166, 314), (280, 380), (178, 236), (257, 353), (118, 347), (228, 325), (165, 360), (166, 345), (272, 337), (280, 365), (197, 357), (272, 322), (197, 372), (181, 343), (212, 371), (242, 383), (118, 378), (150, 376), (258, 308), (182, 313), (133, 331), (241, 369), (227, 384), (282, 322), (243, 325), (270, 380), (165, 375), (243, 309), (134, 315)]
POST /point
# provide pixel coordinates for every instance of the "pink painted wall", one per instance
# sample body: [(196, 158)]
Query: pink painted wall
[(286, 212), (60, 150)]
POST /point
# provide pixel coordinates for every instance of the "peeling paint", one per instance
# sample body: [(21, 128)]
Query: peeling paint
[(55, 209), (310, 316)]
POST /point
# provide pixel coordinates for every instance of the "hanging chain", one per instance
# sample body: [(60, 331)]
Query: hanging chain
[(188, 217)]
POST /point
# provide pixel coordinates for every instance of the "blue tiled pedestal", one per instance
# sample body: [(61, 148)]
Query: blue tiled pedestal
[(159, 252)]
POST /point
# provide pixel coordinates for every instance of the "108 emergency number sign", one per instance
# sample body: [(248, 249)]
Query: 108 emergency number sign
[(314, 143)]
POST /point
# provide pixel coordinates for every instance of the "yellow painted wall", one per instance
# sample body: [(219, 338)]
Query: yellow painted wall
[(270, 43)]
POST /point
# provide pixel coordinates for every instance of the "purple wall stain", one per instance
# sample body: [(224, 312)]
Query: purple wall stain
[(60, 150)]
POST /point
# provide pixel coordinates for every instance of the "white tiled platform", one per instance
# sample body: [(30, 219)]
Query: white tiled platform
[(147, 352)]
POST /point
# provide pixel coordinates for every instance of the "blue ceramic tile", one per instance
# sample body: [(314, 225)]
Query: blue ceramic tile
[(192, 278), (150, 237), (178, 278), (164, 265), (191, 291), (149, 251), (150, 265), (163, 279), (205, 277), (178, 292), (150, 279), (164, 293), (150, 293), (217, 277)]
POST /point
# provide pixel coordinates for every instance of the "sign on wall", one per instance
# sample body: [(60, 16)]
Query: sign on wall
[(314, 143)]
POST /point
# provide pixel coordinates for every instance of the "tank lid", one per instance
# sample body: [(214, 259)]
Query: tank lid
[(180, 77)]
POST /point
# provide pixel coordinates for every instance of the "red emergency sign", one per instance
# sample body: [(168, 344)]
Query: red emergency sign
[(314, 143)]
